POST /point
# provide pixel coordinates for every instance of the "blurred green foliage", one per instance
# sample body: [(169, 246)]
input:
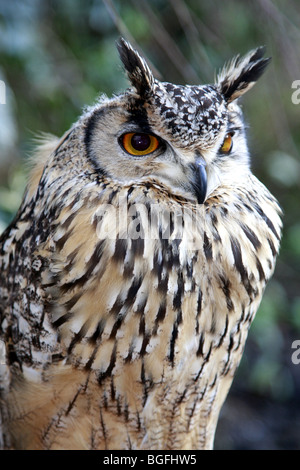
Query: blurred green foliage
[(56, 57)]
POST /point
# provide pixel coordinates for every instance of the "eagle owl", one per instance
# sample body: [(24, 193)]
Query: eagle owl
[(134, 267)]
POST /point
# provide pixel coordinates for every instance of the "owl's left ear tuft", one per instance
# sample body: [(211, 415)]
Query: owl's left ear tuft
[(136, 67), (240, 74)]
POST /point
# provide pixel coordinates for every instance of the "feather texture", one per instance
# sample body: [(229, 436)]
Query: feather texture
[(125, 304)]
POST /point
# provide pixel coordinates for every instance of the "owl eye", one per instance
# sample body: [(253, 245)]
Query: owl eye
[(139, 144), (227, 143)]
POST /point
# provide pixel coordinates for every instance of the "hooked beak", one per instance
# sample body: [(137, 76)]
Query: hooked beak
[(199, 181)]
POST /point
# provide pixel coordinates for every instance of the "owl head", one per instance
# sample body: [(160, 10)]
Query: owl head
[(188, 139)]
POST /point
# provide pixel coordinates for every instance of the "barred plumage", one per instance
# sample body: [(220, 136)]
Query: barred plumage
[(129, 278)]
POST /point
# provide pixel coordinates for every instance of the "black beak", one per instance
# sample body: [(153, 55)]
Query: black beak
[(199, 181)]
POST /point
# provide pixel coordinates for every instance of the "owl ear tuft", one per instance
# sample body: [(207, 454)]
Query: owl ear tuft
[(237, 77), (136, 67)]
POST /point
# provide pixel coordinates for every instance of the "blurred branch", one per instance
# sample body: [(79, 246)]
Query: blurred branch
[(124, 32), (285, 46), (167, 43), (191, 32), (289, 55), (119, 23)]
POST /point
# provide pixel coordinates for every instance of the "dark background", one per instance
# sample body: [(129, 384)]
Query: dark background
[(57, 56)]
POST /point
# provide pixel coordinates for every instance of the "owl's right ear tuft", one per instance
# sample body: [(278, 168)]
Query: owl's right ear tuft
[(241, 73), (136, 67)]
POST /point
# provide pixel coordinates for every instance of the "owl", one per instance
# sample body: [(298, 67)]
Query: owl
[(134, 267)]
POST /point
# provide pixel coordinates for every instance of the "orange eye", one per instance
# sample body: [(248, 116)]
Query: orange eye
[(139, 144), (227, 144)]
